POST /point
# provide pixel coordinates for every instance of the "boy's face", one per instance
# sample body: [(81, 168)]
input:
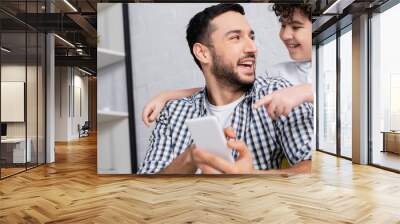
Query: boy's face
[(296, 35)]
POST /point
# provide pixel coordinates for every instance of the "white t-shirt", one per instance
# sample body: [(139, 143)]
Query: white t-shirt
[(295, 72), (222, 113)]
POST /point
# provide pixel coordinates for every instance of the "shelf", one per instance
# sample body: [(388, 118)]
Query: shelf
[(107, 116), (101, 7), (107, 57), (105, 172)]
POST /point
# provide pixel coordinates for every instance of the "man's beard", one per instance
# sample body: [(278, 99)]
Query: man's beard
[(226, 75)]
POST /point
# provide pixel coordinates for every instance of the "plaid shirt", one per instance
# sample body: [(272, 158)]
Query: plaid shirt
[(268, 140)]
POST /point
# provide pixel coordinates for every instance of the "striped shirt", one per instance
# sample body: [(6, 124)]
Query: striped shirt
[(268, 140)]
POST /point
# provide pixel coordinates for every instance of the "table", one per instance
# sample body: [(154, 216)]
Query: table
[(16, 147), (391, 141)]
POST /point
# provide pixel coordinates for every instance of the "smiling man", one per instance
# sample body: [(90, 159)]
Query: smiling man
[(222, 44)]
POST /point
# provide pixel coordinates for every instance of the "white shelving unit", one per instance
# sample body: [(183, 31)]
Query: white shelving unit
[(103, 7), (113, 148), (106, 57), (107, 116)]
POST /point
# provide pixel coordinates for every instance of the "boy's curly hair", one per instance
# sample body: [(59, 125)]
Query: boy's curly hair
[(285, 11)]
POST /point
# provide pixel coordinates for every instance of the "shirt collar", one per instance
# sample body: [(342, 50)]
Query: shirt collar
[(200, 98)]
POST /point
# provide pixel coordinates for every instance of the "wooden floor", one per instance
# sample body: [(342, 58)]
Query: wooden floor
[(10, 171), (70, 191), (5, 172), (387, 159)]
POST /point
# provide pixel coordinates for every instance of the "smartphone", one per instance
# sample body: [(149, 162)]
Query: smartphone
[(208, 135)]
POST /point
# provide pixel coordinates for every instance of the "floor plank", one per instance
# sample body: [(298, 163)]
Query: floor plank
[(70, 191)]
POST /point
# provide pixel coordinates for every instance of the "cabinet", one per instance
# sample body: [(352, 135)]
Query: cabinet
[(13, 150), (391, 141), (113, 148)]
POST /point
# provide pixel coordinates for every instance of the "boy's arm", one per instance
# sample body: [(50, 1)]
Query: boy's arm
[(309, 93), (282, 101), (157, 103)]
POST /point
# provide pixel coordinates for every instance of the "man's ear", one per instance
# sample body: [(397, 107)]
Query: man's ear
[(202, 53)]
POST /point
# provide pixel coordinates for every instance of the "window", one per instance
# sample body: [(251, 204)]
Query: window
[(385, 89), (327, 96), (346, 92)]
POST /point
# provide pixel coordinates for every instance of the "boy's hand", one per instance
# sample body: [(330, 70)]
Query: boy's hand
[(153, 109), (155, 106), (282, 101)]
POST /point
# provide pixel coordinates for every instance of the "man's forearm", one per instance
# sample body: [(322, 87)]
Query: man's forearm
[(181, 165), (302, 167)]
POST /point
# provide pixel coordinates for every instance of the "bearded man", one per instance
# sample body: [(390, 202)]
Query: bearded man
[(221, 42)]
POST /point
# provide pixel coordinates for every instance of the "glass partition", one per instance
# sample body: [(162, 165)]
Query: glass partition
[(13, 109), (22, 87)]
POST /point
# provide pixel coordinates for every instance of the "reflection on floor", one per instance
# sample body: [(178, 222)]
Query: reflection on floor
[(386, 159), (10, 169), (70, 191)]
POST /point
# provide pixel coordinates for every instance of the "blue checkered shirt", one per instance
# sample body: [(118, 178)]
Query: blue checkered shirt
[(268, 140)]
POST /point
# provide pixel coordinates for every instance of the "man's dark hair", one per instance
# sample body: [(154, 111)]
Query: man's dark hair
[(285, 11), (199, 28)]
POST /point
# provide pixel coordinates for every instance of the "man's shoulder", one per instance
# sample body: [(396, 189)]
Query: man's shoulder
[(185, 101), (269, 84)]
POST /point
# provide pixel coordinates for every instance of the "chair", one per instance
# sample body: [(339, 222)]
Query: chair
[(84, 130)]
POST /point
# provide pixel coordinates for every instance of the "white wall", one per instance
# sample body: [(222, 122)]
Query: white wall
[(12, 100), (10, 73), (80, 84), (61, 103), (67, 81), (16, 72), (162, 59)]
